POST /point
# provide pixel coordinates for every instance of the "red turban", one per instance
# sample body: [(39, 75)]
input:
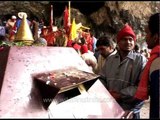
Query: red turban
[(84, 49), (125, 31)]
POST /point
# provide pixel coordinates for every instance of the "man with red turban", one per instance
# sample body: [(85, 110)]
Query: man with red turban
[(121, 72)]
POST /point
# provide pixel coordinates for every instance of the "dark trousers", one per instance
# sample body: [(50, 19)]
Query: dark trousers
[(136, 115)]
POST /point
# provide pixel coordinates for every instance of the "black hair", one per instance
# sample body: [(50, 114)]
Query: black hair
[(104, 41), (83, 41), (154, 23), (137, 47)]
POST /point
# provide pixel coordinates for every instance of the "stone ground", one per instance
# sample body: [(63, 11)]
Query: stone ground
[(145, 110)]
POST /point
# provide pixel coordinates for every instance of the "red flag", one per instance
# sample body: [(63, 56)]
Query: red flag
[(65, 19), (69, 13)]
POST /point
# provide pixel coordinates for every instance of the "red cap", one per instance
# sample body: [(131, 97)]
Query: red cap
[(84, 49), (125, 31), (76, 46)]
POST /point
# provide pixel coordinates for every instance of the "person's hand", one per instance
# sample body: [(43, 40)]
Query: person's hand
[(127, 115), (89, 59), (91, 63)]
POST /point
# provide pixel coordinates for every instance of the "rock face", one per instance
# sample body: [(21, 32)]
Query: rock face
[(33, 9), (113, 15), (104, 18)]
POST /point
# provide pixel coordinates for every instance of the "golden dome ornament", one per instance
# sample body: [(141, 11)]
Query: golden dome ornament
[(24, 33)]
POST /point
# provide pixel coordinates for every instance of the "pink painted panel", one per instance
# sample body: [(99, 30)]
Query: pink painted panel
[(19, 97)]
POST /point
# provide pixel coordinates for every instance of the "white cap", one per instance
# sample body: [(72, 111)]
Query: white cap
[(14, 17), (20, 14)]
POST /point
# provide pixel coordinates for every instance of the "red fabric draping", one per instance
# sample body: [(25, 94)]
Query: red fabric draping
[(142, 91)]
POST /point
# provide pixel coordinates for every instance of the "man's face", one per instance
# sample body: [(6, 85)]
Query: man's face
[(150, 40), (127, 43), (104, 50)]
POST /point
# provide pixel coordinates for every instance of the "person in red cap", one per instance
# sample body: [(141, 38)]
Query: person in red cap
[(86, 54), (121, 72), (126, 31), (84, 47)]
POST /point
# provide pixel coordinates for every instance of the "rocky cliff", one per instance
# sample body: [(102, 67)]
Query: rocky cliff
[(102, 17)]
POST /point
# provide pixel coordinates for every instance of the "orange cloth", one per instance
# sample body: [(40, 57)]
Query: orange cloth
[(142, 90), (50, 38), (90, 42), (12, 28)]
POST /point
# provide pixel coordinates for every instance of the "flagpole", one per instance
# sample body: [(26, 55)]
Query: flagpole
[(51, 17), (69, 4)]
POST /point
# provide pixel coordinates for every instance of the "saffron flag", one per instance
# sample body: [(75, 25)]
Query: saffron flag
[(73, 33)]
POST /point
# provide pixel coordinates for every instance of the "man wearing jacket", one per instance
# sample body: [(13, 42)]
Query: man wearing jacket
[(149, 83), (121, 72)]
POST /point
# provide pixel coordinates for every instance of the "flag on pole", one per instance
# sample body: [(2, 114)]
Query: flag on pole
[(65, 19), (69, 13), (51, 17), (73, 33)]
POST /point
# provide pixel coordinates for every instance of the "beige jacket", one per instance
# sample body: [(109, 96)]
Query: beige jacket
[(100, 62)]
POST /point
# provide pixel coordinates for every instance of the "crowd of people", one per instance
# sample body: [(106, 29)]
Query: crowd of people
[(129, 75)]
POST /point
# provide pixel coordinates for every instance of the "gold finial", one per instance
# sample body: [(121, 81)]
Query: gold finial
[(24, 33)]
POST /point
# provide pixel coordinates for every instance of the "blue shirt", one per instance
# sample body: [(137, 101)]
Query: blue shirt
[(18, 23)]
